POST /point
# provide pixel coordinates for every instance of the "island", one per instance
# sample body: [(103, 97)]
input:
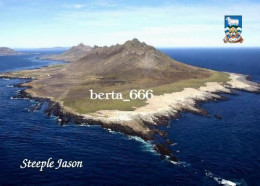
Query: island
[(134, 65), (5, 51)]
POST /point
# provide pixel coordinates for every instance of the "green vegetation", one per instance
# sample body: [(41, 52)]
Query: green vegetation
[(56, 66), (86, 105), (191, 83)]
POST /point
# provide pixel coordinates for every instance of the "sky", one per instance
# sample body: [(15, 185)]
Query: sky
[(161, 23)]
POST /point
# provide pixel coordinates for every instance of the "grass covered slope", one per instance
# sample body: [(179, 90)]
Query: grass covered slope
[(119, 68)]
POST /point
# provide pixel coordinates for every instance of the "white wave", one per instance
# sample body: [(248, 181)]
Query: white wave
[(111, 131), (19, 98), (226, 182), (136, 138), (167, 158), (9, 86), (86, 125), (184, 164), (219, 180), (147, 146), (6, 79), (180, 163), (174, 162)]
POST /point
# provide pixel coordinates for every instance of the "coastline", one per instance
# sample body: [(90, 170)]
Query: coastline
[(144, 121)]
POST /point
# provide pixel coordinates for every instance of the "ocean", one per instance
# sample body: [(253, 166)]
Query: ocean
[(211, 151)]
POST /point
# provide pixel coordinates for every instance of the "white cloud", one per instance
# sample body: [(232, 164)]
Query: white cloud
[(91, 4), (79, 5), (105, 3), (175, 25), (73, 6), (103, 22)]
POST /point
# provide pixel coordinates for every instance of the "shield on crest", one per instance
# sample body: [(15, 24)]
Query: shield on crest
[(233, 29)]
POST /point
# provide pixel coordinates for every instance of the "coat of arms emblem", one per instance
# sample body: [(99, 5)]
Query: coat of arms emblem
[(233, 29)]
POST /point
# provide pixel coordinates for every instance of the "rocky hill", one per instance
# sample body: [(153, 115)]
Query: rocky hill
[(134, 60), (5, 51), (73, 54)]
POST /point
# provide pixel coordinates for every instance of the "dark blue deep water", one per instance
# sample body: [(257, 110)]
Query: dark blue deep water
[(211, 150)]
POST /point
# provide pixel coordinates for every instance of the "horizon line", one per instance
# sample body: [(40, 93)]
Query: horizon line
[(158, 47)]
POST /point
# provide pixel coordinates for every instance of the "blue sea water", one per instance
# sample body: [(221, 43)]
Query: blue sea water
[(211, 150)]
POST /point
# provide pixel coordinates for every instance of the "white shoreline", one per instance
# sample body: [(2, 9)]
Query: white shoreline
[(170, 104)]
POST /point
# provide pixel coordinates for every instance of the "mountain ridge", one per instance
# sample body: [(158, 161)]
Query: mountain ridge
[(133, 57), (72, 54)]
